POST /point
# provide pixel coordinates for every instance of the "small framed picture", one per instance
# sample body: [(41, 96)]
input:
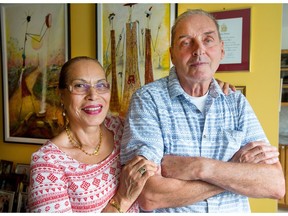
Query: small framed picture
[(6, 201), (242, 89), (22, 204), (23, 169), (5, 166)]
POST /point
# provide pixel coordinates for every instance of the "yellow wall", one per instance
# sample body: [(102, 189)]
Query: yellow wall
[(262, 81), (83, 32)]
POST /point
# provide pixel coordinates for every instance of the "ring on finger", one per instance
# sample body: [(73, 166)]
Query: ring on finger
[(142, 170)]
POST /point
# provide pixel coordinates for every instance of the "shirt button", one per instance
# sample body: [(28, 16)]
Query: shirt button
[(204, 136)]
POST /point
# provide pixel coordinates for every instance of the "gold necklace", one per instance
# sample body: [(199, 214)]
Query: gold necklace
[(78, 144)]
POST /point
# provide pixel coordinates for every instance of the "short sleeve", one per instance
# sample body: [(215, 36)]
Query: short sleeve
[(142, 131), (48, 184)]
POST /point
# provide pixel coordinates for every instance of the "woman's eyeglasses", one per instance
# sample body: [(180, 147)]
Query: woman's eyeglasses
[(78, 87)]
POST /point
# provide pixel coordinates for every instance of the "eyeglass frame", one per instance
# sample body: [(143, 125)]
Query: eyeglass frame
[(88, 86)]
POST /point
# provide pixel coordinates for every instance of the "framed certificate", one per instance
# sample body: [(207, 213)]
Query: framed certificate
[(234, 27)]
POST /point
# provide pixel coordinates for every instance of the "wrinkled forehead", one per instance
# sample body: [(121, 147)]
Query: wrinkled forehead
[(196, 24)]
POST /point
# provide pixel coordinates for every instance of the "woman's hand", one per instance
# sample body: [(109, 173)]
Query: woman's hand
[(132, 180), (225, 86)]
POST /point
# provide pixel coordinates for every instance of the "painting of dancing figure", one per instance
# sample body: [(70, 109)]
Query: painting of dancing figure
[(34, 47)]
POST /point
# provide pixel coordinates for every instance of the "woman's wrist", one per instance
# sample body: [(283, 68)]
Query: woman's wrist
[(119, 203), (116, 205)]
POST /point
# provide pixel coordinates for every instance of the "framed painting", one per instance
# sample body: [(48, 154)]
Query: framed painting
[(234, 29), (6, 201), (35, 45), (133, 43)]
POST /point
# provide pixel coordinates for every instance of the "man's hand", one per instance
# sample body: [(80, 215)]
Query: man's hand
[(256, 152)]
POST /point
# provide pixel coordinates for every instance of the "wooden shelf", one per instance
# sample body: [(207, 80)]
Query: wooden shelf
[(283, 155), (283, 149)]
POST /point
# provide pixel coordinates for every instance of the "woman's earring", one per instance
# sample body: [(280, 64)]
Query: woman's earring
[(63, 110), (66, 121)]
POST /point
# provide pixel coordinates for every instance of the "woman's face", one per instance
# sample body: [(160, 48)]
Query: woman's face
[(87, 97)]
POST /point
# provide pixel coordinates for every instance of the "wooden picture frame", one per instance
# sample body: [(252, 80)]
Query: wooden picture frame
[(242, 89), (35, 44), (235, 32), (133, 43), (6, 201)]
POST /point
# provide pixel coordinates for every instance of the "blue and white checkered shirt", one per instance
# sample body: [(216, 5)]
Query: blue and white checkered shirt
[(162, 120)]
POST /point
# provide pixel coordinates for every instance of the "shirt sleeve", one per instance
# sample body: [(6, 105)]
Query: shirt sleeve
[(48, 185), (142, 130)]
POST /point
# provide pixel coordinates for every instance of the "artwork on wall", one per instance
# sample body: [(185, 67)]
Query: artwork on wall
[(234, 28), (35, 44), (133, 43)]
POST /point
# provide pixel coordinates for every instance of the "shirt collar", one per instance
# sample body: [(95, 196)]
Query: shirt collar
[(175, 89)]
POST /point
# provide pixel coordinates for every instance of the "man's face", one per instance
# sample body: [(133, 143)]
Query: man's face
[(197, 49)]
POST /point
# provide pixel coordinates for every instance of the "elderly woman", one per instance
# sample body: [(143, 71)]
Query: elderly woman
[(79, 169)]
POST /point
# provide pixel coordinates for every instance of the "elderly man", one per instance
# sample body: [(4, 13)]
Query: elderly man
[(212, 149)]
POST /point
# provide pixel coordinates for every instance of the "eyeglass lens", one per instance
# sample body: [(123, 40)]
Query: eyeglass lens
[(82, 88)]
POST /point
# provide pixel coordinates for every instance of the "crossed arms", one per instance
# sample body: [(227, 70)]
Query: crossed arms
[(186, 180), (253, 171)]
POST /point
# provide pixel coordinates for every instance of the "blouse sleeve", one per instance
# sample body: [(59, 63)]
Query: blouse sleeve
[(48, 184)]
